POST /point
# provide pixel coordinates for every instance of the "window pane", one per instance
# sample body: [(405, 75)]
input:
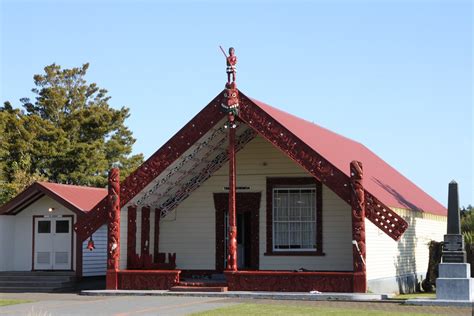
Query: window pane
[(294, 218), (62, 226), (44, 227)]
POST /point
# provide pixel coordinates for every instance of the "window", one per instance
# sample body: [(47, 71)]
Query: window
[(44, 227), (62, 226), (294, 221)]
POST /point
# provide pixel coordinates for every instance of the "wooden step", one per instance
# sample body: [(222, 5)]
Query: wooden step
[(202, 283), (180, 288)]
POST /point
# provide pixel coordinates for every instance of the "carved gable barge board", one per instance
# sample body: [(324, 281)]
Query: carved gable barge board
[(270, 129), (153, 166)]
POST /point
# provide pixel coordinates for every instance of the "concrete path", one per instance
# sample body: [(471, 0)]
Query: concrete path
[(72, 304)]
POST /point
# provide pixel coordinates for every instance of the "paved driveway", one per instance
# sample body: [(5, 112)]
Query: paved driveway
[(72, 304)]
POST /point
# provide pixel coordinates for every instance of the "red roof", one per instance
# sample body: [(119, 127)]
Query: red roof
[(78, 199), (84, 198), (382, 180)]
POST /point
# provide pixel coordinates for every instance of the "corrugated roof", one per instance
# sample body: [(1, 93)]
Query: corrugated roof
[(84, 198), (382, 180)]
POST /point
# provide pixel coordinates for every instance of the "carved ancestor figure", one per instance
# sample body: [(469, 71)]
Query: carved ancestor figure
[(231, 62), (231, 95), (358, 215), (231, 257), (113, 200)]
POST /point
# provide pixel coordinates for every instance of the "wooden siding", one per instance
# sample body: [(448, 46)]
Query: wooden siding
[(94, 263), (387, 258), (190, 229)]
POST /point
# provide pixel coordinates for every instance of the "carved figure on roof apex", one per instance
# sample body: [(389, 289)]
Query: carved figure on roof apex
[(231, 65)]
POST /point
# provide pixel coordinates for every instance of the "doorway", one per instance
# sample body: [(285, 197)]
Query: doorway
[(248, 206), (52, 243)]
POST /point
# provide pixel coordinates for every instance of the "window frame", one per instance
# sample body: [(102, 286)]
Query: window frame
[(296, 183)]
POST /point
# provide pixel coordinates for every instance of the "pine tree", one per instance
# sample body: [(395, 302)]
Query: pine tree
[(68, 134)]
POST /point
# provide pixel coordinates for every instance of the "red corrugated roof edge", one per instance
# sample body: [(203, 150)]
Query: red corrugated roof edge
[(382, 180)]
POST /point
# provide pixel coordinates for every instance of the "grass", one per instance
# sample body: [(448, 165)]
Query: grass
[(266, 309), (414, 295), (12, 302)]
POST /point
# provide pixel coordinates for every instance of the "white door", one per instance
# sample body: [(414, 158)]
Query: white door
[(53, 243)]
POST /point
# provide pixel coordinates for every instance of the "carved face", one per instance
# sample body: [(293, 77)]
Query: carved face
[(232, 98)]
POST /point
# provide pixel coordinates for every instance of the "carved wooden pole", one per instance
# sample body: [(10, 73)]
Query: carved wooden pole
[(113, 243), (156, 240), (131, 235), (358, 227), (232, 249)]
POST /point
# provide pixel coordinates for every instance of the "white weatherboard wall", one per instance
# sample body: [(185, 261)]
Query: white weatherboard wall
[(94, 263), (7, 230), (387, 258), (189, 231), (23, 231)]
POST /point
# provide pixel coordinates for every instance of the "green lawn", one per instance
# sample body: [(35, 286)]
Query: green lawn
[(265, 309), (414, 295), (12, 302)]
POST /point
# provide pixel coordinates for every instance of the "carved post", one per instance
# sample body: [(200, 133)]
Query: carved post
[(156, 240), (145, 233), (113, 242), (131, 235), (232, 247), (358, 227)]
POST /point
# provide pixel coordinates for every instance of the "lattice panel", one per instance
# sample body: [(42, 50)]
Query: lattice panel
[(384, 218)]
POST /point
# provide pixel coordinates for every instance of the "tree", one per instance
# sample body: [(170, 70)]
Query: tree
[(68, 134)]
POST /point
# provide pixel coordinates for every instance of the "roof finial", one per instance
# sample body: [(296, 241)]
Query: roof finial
[(231, 94)]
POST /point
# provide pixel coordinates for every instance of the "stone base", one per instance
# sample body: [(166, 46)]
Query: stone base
[(461, 289)]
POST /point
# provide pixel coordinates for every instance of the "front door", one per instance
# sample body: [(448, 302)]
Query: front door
[(248, 205), (52, 248)]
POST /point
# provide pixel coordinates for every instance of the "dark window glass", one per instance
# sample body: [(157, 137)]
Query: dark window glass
[(62, 227), (44, 227)]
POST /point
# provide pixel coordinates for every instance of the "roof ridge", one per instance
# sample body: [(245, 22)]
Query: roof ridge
[(70, 185)]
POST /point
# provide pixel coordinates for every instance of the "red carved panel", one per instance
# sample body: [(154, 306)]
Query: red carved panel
[(156, 237), (159, 161), (273, 182), (245, 202), (384, 218), (358, 225), (131, 235), (145, 230), (316, 165), (148, 280), (113, 242), (286, 281)]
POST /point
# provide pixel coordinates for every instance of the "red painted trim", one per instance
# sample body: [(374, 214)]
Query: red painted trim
[(147, 280), (232, 239), (131, 235), (315, 164), (145, 229), (245, 202), (275, 182), (287, 281), (156, 239), (156, 164)]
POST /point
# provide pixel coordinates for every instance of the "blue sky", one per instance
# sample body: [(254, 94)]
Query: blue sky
[(394, 75)]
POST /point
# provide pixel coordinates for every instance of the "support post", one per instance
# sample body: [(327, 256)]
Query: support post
[(113, 232), (145, 231), (358, 227), (232, 247), (156, 240), (131, 236)]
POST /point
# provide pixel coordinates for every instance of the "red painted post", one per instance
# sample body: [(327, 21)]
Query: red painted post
[(131, 235), (113, 240), (156, 240), (232, 247), (145, 240), (358, 227)]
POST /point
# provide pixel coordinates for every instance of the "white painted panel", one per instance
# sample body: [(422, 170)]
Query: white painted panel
[(388, 258), (7, 233), (190, 229), (23, 231), (94, 263)]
